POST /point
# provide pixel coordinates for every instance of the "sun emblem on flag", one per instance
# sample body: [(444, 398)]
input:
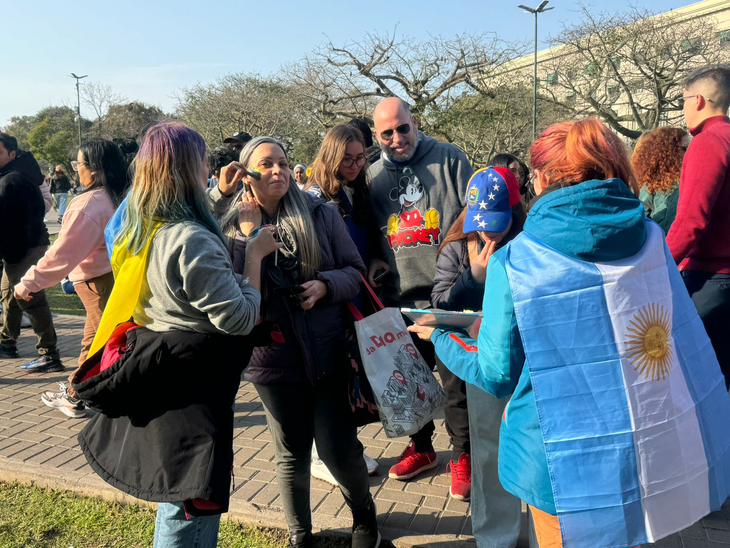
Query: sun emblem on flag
[(647, 342)]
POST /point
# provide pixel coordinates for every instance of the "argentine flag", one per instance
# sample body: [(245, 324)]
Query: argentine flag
[(633, 408)]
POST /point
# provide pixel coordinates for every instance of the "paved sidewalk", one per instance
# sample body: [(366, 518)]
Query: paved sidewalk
[(39, 444)]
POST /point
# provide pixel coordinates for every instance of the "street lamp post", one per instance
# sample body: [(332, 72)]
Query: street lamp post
[(539, 9), (78, 101)]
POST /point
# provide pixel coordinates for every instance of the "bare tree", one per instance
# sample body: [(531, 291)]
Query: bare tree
[(627, 68), (347, 80), (99, 97)]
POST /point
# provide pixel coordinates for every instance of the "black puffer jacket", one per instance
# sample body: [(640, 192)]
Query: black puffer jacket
[(26, 164), (164, 430), (60, 184), (21, 217), (315, 341)]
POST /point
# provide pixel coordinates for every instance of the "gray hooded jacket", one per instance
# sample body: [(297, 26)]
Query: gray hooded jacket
[(413, 206)]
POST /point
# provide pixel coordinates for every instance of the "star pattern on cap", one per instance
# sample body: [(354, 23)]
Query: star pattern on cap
[(494, 178), (490, 196), (482, 224), (478, 217), (482, 205), (496, 187)]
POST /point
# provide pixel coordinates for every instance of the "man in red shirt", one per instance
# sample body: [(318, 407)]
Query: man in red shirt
[(699, 238)]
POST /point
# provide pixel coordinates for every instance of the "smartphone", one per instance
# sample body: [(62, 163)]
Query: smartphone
[(380, 275), (291, 290)]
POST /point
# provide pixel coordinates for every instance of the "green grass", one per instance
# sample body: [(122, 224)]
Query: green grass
[(44, 518), (61, 303)]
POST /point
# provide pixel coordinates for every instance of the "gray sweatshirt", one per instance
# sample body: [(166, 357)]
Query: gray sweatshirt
[(414, 205), (192, 286)]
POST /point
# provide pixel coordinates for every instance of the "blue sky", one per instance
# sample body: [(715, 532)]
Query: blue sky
[(148, 50)]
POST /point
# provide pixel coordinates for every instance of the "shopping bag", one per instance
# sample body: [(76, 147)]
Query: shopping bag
[(405, 390)]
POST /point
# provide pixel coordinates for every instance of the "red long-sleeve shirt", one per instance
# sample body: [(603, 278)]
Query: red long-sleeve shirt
[(699, 238)]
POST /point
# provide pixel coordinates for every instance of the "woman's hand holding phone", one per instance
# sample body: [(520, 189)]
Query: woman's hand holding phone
[(314, 290)]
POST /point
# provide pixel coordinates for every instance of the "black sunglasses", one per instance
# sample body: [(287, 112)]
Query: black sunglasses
[(403, 129)]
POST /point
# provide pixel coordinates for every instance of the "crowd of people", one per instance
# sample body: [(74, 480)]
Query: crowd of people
[(603, 278)]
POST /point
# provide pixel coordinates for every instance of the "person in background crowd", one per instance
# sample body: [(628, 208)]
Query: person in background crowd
[(12, 158), (417, 189), (339, 176), (520, 171), (80, 252), (217, 158), (60, 187), (657, 163), (300, 176), (699, 238), (588, 325), (23, 241), (484, 226), (237, 141), (372, 150), (129, 148), (301, 377)]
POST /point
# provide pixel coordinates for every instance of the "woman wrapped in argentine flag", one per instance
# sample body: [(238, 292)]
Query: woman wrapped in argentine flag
[(616, 433)]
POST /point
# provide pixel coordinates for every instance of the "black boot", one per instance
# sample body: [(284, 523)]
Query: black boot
[(301, 540), (365, 527)]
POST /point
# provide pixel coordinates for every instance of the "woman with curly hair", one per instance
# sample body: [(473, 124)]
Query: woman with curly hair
[(657, 163)]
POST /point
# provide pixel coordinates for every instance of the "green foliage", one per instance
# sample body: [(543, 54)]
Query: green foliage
[(126, 120), (53, 136)]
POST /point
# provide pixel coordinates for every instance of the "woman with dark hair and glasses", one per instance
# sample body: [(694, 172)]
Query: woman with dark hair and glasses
[(80, 252)]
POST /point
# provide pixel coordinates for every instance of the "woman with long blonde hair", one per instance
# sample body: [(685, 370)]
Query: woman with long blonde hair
[(174, 276)]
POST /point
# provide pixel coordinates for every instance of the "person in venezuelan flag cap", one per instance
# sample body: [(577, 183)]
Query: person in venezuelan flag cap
[(611, 435)]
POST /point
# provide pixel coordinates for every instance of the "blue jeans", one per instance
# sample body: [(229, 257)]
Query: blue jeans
[(172, 530), (61, 202), (496, 515)]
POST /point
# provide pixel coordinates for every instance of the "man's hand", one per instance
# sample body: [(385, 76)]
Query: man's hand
[(423, 332), (376, 265), (231, 175), (314, 290)]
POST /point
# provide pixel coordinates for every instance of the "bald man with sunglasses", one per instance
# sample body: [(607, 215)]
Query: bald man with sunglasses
[(416, 191)]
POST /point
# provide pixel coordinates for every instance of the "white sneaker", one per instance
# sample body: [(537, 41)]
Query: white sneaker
[(371, 463), (321, 472), (25, 321), (319, 469), (60, 400)]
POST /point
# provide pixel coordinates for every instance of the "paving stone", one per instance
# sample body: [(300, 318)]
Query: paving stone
[(425, 520), (34, 434)]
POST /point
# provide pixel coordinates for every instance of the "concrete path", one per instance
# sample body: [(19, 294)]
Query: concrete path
[(39, 444)]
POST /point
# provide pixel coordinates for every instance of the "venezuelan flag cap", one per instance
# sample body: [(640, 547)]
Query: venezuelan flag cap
[(490, 196)]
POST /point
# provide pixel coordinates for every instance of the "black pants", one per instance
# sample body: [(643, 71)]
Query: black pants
[(711, 295), (299, 413)]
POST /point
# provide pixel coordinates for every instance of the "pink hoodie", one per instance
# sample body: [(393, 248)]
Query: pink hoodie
[(80, 248)]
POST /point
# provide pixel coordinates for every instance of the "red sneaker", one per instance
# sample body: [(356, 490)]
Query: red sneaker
[(412, 462), (461, 478)]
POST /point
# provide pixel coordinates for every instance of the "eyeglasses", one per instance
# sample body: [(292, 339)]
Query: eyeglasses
[(403, 129), (359, 161), (683, 99), (75, 165)]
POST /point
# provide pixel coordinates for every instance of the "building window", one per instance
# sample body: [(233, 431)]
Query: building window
[(591, 69), (692, 46), (613, 92), (724, 38), (552, 79)]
